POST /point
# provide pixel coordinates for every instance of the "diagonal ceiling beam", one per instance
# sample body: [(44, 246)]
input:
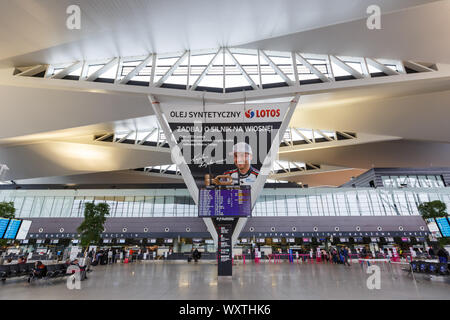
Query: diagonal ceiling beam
[(417, 66), (171, 70), (312, 69), (374, 63), (346, 67), (102, 70), (324, 135), (136, 70), (33, 71), (277, 69), (68, 70), (302, 135), (205, 71), (242, 70)]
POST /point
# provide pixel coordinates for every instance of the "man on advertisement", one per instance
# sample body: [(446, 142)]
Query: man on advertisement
[(244, 174)]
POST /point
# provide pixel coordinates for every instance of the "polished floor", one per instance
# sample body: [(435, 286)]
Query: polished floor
[(261, 281)]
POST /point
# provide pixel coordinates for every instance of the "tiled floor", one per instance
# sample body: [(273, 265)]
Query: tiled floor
[(262, 281)]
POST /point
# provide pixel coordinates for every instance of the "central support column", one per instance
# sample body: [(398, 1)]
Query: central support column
[(225, 154), (225, 228)]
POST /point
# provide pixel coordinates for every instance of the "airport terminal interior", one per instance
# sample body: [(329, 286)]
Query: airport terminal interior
[(224, 150)]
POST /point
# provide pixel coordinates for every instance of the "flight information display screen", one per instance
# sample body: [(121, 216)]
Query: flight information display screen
[(444, 226), (12, 229), (230, 202), (3, 225)]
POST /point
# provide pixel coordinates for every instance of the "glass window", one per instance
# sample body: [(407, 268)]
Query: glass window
[(148, 207), (312, 201), (270, 208), (302, 206), (137, 207), (388, 181), (119, 207), (37, 207), (352, 203), (169, 206), (57, 207), (67, 207), (77, 207), (280, 205), (18, 202), (127, 206), (363, 204), (158, 207), (98, 200), (291, 206), (26, 207)]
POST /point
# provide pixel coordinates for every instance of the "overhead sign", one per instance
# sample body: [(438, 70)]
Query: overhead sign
[(14, 229), (444, 226), (231, 140), (3, 226), (235, 202)]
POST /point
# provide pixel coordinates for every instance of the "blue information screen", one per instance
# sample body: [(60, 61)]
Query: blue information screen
[(230, 202), (13, 227), (3, 225), (444, 226)]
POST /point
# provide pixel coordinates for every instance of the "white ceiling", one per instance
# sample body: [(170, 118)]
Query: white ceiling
[(34, 30), (419, 34), (43, 123)]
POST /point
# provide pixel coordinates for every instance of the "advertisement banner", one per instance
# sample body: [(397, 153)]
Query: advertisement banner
[(225, 139), (225, 145)]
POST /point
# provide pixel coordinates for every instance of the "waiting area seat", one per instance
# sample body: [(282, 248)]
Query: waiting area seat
[(430, 267), (26, 269)]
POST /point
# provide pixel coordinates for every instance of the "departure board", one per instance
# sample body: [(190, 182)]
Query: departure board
[(3, 225), (12, 229), (229, 202), (444, 226)]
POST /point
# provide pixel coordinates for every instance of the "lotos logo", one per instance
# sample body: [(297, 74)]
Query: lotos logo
[(250, 114), (269, 113)]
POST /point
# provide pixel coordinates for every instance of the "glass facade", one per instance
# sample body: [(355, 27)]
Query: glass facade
[(272, 202), (413, 181)]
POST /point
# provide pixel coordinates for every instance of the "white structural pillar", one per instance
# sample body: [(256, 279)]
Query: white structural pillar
[(177, 157), (267, 165)]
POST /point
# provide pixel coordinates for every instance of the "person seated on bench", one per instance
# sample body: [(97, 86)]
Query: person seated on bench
[(39, 271)]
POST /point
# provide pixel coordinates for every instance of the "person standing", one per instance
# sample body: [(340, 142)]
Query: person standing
[(114, 258), (443, 255), (196, 255), (110, 256), (431, 252), (345, 253)]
